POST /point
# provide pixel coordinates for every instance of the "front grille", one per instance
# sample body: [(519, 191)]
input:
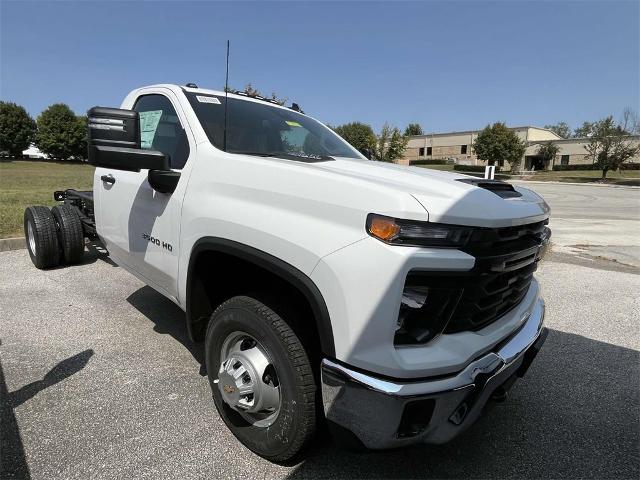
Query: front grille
[(506, 259), (488, 297)]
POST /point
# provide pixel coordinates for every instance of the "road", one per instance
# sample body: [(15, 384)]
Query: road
[(99, 381), (592, 221)]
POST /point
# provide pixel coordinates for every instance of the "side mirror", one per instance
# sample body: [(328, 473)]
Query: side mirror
[(367, 153), (113, 141), (163, 181)]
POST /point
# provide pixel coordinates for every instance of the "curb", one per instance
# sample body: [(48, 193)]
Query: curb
[(7, 244), (586, 184)]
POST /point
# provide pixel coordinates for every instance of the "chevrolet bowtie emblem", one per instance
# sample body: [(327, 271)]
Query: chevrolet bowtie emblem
[(228, 389)]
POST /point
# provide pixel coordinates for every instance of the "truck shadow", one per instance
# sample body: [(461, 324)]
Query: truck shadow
[(13, 463), (168, 319), (94, 251), (150, 206), (574, 415)]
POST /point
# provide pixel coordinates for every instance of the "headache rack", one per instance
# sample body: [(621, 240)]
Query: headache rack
[(83, 202)]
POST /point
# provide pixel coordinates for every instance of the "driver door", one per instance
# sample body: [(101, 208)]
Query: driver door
[(140, 226)]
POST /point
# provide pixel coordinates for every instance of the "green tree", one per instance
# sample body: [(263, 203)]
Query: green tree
[(17, 129), (359, 135), (609, 144), (82, 147), (561, 129), (61, 134), (391, 144), (548, 152), (413, 129), (630, 123), (253, 92), (584, 131), (497, 144)]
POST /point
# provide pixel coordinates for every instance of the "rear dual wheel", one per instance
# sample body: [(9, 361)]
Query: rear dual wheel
[(42, 237), (70, 235), (53, 235)]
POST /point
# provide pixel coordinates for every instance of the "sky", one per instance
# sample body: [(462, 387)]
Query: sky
[(449, 66)]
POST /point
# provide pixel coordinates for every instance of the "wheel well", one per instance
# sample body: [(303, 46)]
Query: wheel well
[(220, 269)]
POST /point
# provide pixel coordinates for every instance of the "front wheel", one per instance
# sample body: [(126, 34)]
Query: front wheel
[(261, 379)]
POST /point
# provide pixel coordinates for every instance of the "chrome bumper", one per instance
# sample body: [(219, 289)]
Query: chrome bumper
[(390, 413)]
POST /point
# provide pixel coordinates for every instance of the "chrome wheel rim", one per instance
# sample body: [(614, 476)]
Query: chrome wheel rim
[(247, 380), (31, 237)]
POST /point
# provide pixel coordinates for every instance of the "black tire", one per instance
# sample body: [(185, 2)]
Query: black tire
[(70, 235), (41, 236), (295, 424)]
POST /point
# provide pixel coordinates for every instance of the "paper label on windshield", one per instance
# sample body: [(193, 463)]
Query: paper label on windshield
[(148, 126), (203, 99), (291, 123)]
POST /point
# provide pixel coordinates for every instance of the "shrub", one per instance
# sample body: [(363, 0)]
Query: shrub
[(587, 166), (630, 166), (428, 162), (469, 168), (593, 166)]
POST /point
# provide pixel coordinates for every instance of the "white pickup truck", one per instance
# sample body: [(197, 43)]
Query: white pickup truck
[(390, 303)]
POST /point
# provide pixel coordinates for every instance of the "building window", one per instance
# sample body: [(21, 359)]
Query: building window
[(421, 152), (429, 150), (463, 149), (564, 160)]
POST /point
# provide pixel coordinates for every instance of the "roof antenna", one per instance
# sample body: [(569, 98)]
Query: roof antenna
[(226, 101)]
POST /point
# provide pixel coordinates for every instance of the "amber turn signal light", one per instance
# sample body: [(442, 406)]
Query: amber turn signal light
[(384, 228)]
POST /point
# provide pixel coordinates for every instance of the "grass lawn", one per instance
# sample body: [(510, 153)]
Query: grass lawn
[(627, 177), (24, 183)]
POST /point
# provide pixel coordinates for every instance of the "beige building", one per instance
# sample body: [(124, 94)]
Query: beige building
[(571, 151), (458, 148)]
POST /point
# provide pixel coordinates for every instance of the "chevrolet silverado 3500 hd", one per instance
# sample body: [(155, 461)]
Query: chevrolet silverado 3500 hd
[(391, 302)]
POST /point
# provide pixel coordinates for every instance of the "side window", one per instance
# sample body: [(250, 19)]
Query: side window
[(160, 129)]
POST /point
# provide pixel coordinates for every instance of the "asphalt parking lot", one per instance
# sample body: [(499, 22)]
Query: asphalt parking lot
[(99, 380)]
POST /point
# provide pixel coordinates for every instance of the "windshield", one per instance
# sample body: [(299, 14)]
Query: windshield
[(257, 128)]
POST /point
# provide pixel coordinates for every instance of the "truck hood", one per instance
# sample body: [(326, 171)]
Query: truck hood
[(444, 196)]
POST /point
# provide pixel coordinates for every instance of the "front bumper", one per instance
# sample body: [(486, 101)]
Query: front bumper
[(391, 413)]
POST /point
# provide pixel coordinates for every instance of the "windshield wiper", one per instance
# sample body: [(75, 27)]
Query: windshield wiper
[(303, 157)]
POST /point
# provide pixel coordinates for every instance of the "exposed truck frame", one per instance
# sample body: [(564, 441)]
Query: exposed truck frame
[(82, 202)]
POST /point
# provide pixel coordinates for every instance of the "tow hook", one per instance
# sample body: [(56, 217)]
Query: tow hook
[(459, 415), (499, 395)]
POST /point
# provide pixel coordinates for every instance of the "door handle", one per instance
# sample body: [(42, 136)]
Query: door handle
[(108, 179)]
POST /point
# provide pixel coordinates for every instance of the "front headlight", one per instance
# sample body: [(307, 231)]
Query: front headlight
[(415, 233)]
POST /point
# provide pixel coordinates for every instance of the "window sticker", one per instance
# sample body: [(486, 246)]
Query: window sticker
[(148, 126), (291, 123), (203, 99)]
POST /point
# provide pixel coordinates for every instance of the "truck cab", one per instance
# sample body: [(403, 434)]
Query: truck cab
[(390, 302)]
